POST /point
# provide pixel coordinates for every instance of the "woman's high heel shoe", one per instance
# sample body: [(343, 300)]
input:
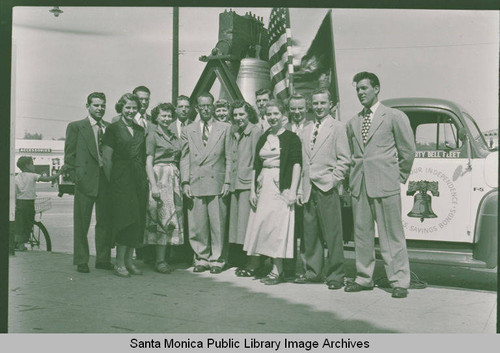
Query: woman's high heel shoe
[(133, 269), (273, 278), (121, 271)]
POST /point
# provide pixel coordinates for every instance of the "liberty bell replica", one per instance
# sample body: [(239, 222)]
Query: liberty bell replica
[(239, 60), (422, 201)]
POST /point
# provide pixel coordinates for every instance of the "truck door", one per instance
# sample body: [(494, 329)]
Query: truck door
[(436, 198)]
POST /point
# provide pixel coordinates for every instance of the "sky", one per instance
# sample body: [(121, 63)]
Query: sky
[(416, 53)]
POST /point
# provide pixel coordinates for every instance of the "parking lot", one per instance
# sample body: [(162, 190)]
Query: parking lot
[(48, 295)]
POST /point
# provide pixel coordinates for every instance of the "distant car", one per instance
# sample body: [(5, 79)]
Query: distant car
[(450, 202)]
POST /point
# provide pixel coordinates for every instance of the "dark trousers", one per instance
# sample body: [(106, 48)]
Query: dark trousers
[(83, 206), (295, 266), (323, 224), (25, 216)]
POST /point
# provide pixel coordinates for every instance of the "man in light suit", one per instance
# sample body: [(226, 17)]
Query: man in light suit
[(326, 159), (83, 160), (383, 148), (205, 176)]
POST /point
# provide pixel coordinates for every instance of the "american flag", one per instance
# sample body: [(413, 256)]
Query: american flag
[(280, 52)]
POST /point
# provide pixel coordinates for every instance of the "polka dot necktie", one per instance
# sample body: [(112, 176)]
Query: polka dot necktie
[(204, 136), (315, 133), (366, 124)]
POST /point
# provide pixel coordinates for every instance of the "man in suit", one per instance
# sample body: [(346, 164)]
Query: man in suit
[(326, 159), (296, 122), (182, 253), (383, 148), (296, 113), (262, 96), (182, 110), (205, 176), (83, 160), (144, 95)]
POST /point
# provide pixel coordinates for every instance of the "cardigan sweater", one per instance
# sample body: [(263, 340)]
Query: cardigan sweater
[(290, 154)]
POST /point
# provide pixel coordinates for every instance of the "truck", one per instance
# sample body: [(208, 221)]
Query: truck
[(450, 201)]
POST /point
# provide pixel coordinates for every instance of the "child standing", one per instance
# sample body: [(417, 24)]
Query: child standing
[(25, 199)]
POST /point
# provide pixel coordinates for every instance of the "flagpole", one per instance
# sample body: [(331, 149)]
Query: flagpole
[(290, 53), (175, 55)]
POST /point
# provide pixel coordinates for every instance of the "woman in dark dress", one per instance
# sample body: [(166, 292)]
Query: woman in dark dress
[(124, 157)]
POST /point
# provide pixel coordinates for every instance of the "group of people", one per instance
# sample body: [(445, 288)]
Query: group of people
[(242, 185)]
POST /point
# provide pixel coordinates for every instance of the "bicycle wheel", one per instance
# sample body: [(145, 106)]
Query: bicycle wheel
[(40, 239)]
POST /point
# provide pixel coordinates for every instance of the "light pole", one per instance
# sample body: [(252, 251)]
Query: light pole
[(175, 55)]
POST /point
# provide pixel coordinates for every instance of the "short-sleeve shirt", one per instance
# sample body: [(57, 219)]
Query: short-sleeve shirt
[(25, 185), (164, 146)]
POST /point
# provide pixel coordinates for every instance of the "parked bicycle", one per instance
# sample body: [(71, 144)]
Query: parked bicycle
[(39, 238)]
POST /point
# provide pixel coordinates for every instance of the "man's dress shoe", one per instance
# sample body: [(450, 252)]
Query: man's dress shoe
[(334, 285), (200, 268), (215, 269), (399, 292), (83, 268), (303, 279), (355, 287)]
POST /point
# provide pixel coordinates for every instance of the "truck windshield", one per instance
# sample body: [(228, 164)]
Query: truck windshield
[(477, 135)]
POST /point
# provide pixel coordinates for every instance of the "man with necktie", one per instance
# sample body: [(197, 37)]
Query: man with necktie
[(262, 96), (143, 118), (182, 110), (83, 160), (326, 159), (205, 176), (184, 253), (383, 149)]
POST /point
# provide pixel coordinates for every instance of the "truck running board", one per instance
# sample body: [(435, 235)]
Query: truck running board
[(448, 257)]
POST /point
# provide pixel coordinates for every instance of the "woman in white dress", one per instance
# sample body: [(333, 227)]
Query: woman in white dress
[(275, 179)]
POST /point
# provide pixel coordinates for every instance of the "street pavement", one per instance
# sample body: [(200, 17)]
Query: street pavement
[(47, 295)]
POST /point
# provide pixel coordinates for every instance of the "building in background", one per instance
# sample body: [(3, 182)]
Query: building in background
[(48, 155)]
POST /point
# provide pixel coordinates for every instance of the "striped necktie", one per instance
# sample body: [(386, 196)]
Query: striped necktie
[(315, 133), (366, 124), (204, 136), (100, 133)]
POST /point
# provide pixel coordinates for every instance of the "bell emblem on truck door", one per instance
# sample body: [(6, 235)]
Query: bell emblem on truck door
[(422, 201)]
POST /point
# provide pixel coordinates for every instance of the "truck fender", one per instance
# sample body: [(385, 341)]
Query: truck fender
[(486, 230)]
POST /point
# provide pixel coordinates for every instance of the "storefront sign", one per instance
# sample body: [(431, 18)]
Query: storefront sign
[(35, 150)]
